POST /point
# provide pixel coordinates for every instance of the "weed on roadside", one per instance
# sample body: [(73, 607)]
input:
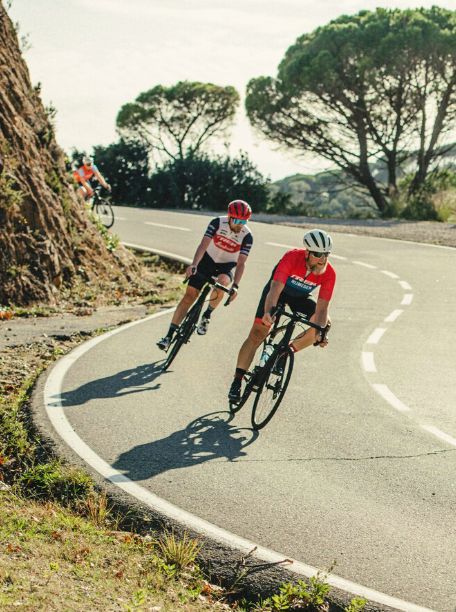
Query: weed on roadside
[(178, 552)]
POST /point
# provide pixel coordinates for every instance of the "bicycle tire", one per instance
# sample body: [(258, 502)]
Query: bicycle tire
[(102, 209), (244, 397), (264, 406), (176, 345), (181, 337)]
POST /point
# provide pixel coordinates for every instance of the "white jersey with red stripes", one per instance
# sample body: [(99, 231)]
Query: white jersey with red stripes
[(226, 245)]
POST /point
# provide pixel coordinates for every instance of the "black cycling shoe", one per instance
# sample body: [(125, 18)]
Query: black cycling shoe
[(234, 394)]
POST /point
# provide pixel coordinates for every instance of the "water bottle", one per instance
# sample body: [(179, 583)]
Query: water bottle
[(267, 352)]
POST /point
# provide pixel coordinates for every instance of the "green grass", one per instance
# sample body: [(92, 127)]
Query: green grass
[(49, 555)]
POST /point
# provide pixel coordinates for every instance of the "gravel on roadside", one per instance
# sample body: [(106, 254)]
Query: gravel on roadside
[(430, 232)]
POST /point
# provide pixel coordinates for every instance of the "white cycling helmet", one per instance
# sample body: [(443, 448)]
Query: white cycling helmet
[(87, 160), (318, 240)]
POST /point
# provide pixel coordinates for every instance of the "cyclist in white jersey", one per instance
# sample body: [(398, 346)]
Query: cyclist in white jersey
[(224, 248)]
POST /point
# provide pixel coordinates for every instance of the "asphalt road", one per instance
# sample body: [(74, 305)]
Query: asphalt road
[(358, 465)]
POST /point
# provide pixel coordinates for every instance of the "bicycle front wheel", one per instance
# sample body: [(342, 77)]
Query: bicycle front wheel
[(104, 213), (275, 383), (175, 347), (235, 407), (181, 337)]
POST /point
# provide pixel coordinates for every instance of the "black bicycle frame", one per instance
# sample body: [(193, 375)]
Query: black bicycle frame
[(188, 325), (260, 371), (294, 318)]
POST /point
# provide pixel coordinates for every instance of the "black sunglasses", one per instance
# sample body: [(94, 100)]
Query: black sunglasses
[(318, 254)]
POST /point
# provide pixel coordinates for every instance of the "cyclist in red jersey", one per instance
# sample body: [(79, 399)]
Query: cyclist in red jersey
[(294, 278), (83, 175)]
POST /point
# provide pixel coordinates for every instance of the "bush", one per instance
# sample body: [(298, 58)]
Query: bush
[(200, 182), (419, 207), (53, 481), (428, 202), (445, 205)]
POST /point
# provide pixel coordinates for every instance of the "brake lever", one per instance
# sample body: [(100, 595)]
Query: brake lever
[(228, 299), (324, 331)]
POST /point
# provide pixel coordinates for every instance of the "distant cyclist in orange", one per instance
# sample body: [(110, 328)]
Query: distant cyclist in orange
[(83, 175)]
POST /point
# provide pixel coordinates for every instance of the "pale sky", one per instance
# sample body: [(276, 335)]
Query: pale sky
[(93, 56)]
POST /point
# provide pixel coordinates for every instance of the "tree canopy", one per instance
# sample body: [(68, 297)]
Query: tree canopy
[(376, 87), (200, 182), (177, 121)]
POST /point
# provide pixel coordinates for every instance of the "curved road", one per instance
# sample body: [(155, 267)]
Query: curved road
[(357, 466)]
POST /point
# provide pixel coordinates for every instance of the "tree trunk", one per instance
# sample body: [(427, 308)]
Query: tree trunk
[(364, 172), (376, 193), (46, 238)]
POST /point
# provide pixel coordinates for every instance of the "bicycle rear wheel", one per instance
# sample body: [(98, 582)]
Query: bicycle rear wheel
[(104, 213), (275, 383)]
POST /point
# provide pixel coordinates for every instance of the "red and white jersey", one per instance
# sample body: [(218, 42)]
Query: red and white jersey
[(226, 245)]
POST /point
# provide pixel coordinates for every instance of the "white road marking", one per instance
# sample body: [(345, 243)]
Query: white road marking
[(407, 299), (139, 247), (333, 256), (440, 434), (368, 362), (182, 229), (366, 265), (393, 316), (390, 274), (405, 285), (389, 396), (285, 246), (376, 335), (55, 411)]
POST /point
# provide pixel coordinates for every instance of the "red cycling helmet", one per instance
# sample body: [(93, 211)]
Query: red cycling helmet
[(238, 209)]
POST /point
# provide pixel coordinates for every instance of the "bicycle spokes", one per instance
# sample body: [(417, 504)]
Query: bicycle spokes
[(276, 377)]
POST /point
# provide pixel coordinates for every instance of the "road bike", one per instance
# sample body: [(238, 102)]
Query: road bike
[(189, 324), (101, 207), (269, 379)]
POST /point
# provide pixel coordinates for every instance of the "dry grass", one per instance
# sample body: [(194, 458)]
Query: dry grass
[(52, 559), (445, 205), (160, 284)]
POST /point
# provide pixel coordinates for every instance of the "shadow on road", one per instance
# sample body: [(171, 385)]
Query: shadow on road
[(209, 437), (134, 380)]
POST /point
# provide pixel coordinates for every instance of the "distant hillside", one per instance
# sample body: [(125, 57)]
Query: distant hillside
[(331, 194), (321, 195)]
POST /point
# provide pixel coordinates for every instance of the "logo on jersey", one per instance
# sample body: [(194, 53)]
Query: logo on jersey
[(226, 244), (297, 283)]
